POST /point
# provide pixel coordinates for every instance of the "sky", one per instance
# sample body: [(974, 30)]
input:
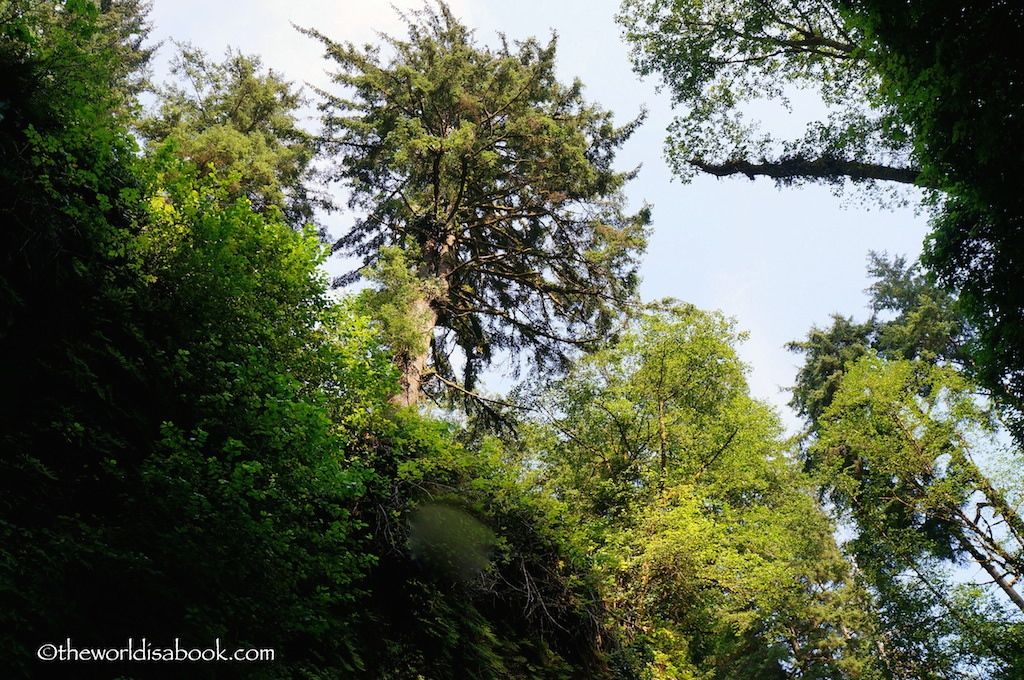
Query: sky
[(776, 260)]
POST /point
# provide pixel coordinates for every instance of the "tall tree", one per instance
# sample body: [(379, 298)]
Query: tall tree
[(717, 561), (716, 57), (917, 93), (495, 182), (907, 452), (912, 318), (239, 121), (901, 441)]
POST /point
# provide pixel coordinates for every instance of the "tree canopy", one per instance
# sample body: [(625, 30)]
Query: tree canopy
[(956, 82), (913, 459), (202, 440), (920, 93), (719, 563), (239, 122), (496, 183), (715, 57)]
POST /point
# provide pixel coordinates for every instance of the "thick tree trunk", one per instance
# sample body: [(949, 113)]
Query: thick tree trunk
[(413, 365)]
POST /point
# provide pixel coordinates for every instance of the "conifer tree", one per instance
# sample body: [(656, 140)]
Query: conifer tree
[(495, 183)]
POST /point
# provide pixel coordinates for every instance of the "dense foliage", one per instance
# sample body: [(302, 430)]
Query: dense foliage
[(239, 123), (200, 440), (718, 563), (919, 466), (497, 183), (951, 72), (212, 452)]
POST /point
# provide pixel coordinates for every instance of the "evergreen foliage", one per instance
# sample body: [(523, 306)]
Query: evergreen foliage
[(200, 440), (497, 183)]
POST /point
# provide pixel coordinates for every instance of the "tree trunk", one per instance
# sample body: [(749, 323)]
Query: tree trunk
[(1001, 508), (993, 571), (433, 274), (662, 438), (412, 365)]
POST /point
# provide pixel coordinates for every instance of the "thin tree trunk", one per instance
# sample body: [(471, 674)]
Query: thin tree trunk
[(986, 564), (662, 437), (1001, 508)]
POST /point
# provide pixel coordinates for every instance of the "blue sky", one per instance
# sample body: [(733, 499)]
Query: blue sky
[(776, 260)]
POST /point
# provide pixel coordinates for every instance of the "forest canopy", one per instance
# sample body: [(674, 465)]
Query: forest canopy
[(203, 439)]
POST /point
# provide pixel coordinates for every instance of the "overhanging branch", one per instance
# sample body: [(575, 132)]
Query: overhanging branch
[(799, 167)]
